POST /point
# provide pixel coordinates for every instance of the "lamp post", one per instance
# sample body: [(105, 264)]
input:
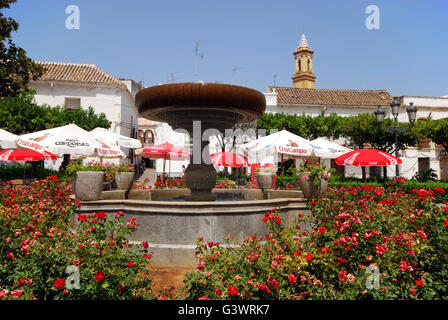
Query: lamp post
[(395, 110)]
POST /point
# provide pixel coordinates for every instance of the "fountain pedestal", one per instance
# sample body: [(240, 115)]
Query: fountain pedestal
[(200, 179)]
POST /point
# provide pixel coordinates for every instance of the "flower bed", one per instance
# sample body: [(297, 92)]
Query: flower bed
[(367, 242), (41, 258)]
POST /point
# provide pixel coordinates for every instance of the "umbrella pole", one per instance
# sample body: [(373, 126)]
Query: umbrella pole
[(281, 170)]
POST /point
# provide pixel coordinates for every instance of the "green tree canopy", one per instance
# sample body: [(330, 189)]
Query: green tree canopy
[(16, 69), (436, 130), (22, 115)]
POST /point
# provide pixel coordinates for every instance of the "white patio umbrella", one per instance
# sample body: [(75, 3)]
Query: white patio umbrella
[(115, 139), (283, 143), (326, 149), (8, 140), (73, 140)]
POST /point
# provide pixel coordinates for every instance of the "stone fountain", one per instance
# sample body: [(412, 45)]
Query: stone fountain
[(196, 108), (172, 227)]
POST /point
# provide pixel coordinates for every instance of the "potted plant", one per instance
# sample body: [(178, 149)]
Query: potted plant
[(124, 175), (265, 176), (313, 179), (87, 180)]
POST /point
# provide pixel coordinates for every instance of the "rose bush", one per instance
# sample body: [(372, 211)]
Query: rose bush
[(42, 252), (356, 243)]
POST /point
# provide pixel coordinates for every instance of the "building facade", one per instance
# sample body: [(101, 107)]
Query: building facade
[(73, 85)]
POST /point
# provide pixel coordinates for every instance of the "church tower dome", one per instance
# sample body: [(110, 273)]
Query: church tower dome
[(303, 76)]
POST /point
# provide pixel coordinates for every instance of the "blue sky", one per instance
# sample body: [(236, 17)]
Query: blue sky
[(148, 40)]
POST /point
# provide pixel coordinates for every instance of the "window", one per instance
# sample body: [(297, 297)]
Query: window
[(72, 103), (423, 164)]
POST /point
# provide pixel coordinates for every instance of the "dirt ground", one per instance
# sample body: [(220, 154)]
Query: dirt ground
[(167, 280)]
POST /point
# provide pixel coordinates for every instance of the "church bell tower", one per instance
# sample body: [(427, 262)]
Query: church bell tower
[(303, 76)]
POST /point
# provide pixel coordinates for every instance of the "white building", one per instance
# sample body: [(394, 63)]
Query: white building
[(74, 85), (304, 98)]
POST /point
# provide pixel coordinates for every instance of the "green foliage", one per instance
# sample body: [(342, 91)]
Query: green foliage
[(38, 241), (425, 175), (16, 172), (329, 252), (361, 129), (303, 125), (436, 130), (316, 172), (16, 69), (21, 115)]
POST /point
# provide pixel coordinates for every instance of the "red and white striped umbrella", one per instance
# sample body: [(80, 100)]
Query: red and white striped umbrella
[(367, 157), (228, 159), (25, 155)]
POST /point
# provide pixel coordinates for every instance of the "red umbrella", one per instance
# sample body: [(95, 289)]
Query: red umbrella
[(25, 155), (228, 159), (367, 157), (165, 151)]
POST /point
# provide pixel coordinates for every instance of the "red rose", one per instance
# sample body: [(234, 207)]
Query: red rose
[(292, 279), (419, 283), (204, 298), (99, 276), (309, 257), (100, 215), (145, 244), (232, 290), (218, 292), (59, 283), (321, 229), (131, 264)]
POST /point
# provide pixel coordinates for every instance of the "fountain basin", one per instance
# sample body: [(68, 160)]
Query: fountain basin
[(172, 227)]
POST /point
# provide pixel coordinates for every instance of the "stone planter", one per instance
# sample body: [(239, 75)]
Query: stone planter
[(124, 180), (309, 189), (265, 180), (88, 185)]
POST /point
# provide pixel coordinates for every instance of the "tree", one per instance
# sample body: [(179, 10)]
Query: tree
[(303, 125), (21, 115), (16, 69), (436, 130)]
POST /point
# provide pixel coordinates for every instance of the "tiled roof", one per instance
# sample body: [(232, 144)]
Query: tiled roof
[(86, 73), (288, 95)]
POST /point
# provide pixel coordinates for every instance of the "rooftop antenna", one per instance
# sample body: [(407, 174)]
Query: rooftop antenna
[(235, 69), (171, 77), (196, 55), (275, 77)]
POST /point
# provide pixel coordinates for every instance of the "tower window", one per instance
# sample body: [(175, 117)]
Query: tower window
[(300, 65)]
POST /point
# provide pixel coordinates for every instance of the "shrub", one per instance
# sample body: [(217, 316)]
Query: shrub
[(426, 175), (368, 234), (39, 244)]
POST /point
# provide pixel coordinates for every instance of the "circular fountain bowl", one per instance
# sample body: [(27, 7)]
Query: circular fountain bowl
[(172, 227), (218, 106)]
